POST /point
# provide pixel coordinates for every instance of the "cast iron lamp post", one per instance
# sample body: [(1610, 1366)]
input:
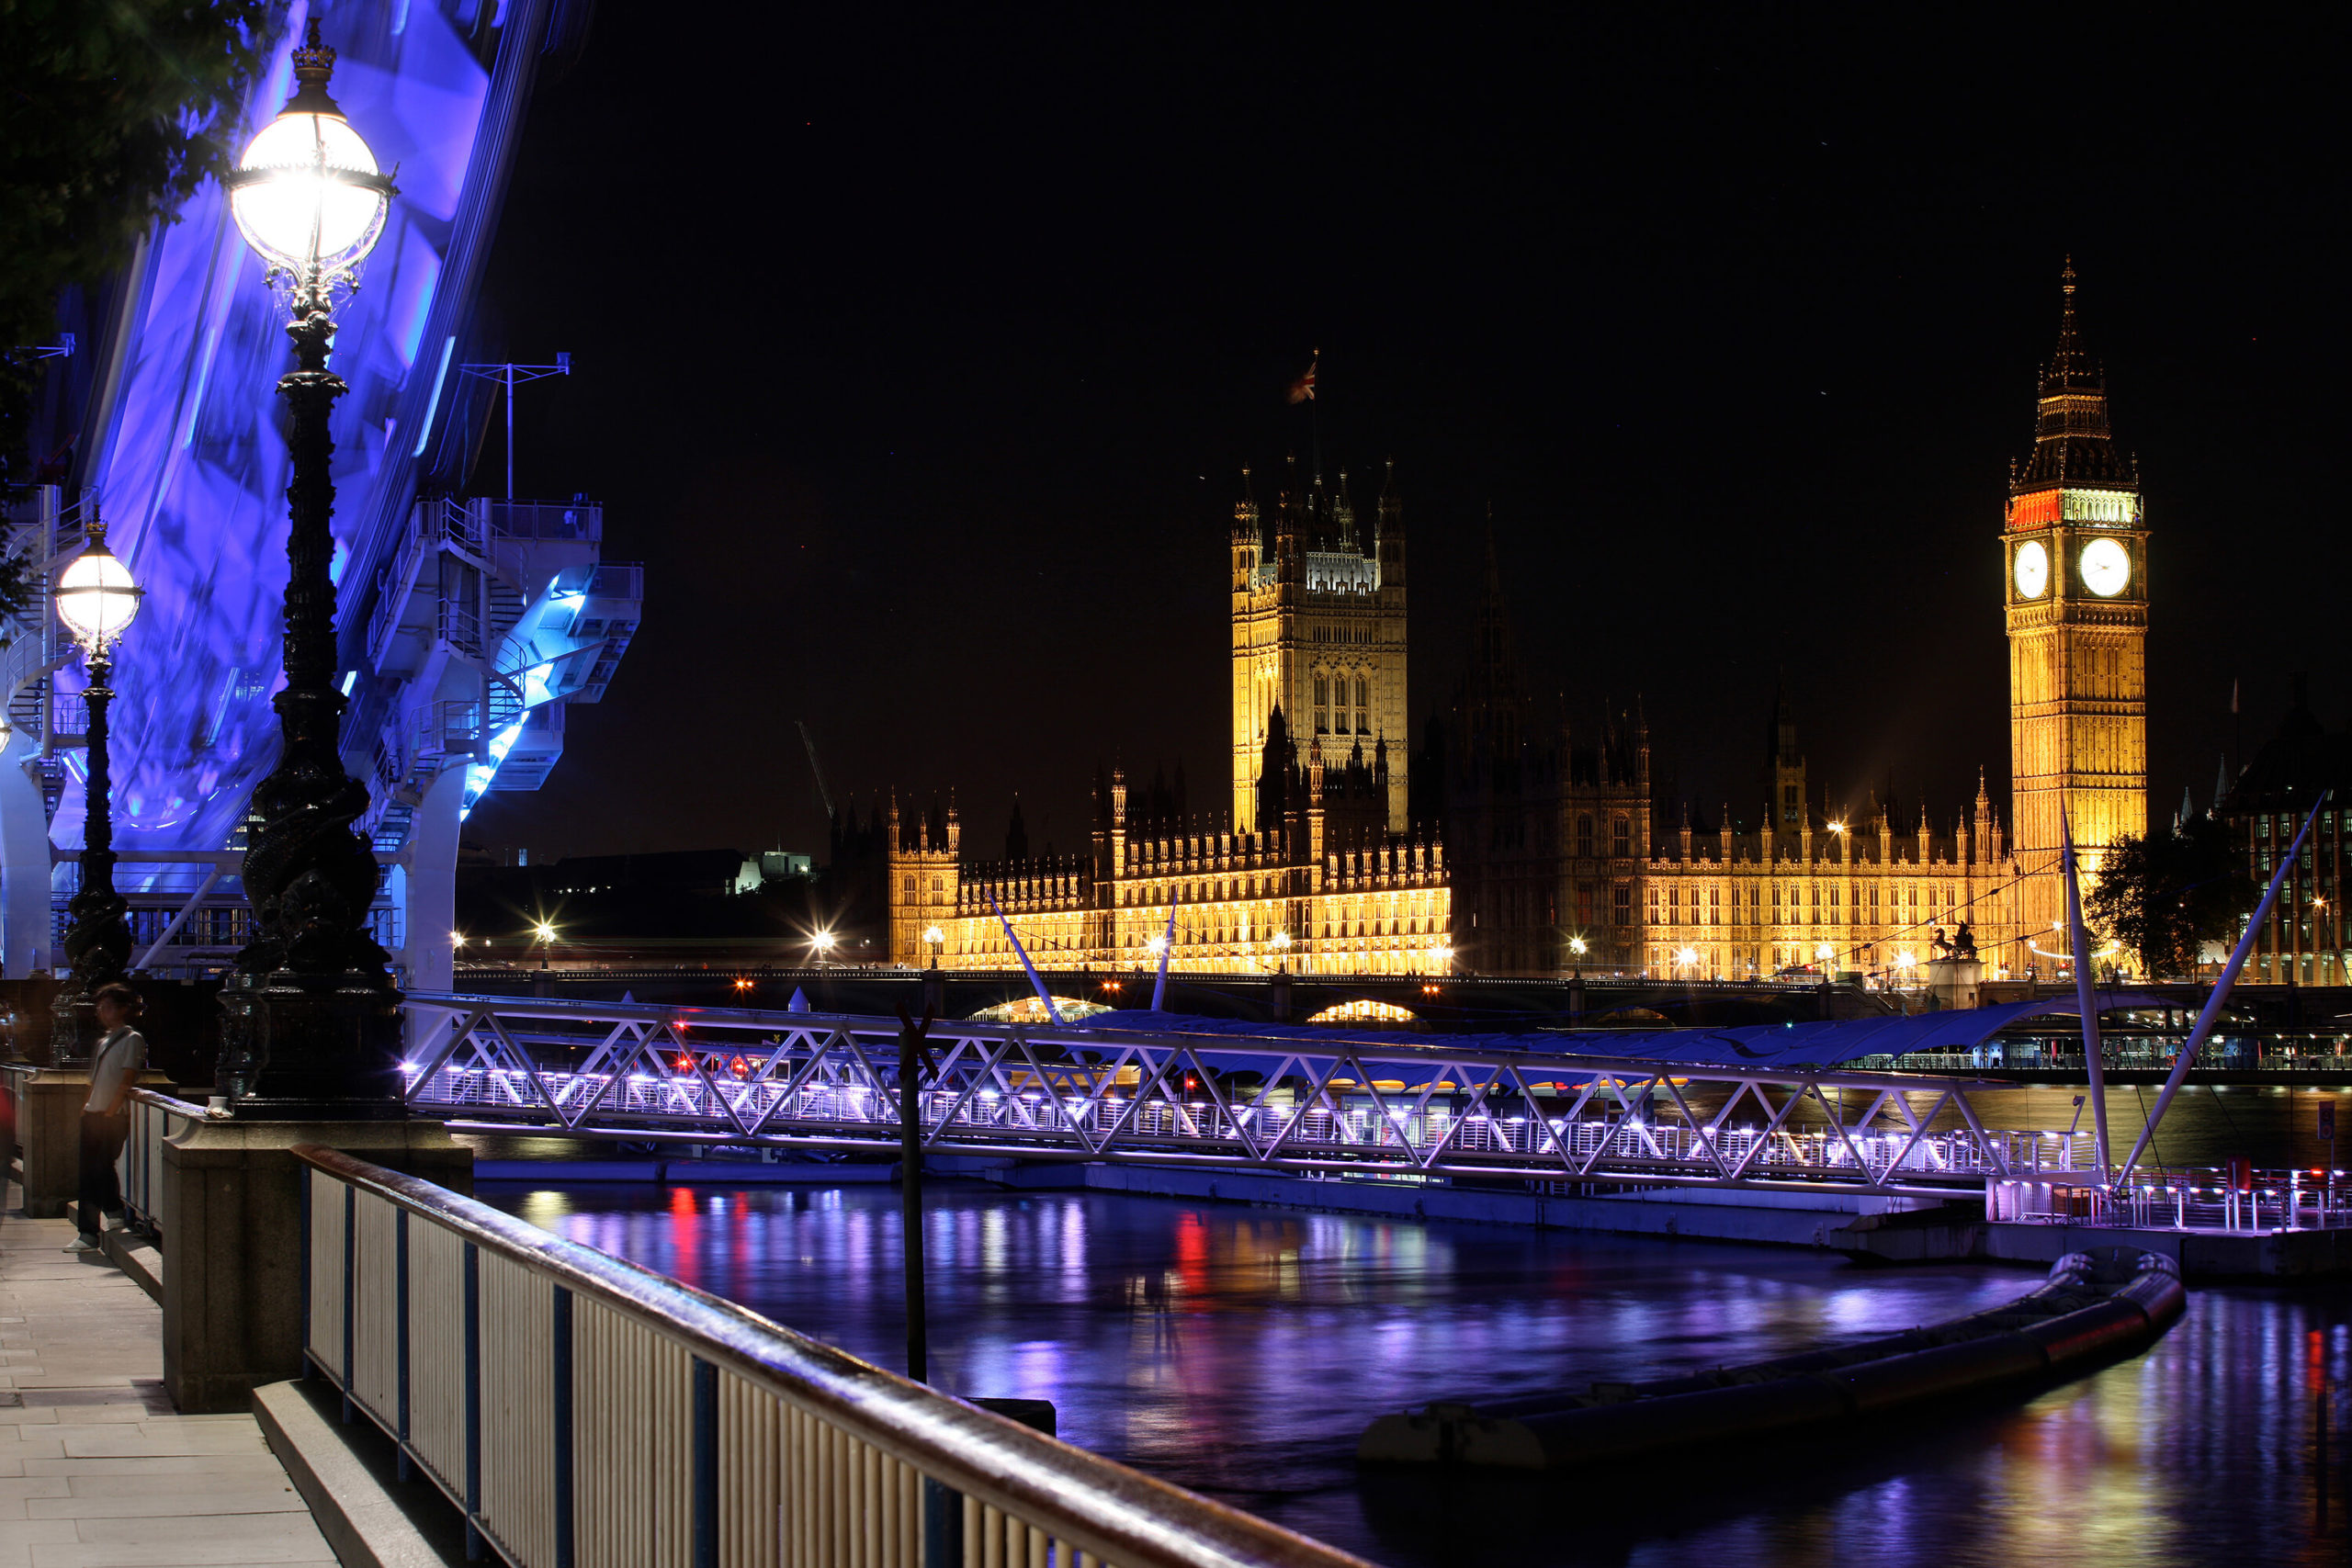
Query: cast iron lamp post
[(313, 1026), (95, 599)]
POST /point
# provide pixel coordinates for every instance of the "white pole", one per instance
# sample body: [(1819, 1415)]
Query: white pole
[(2094, 1062), (2207, 1019), (1167, 952), (1035, 979)]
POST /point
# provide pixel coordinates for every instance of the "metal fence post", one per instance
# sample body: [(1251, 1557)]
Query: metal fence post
[(476, 1548), (350, 1269), (563, 1414), (400, 1270), (309, 1178), (942, 1525), (705, 1464)]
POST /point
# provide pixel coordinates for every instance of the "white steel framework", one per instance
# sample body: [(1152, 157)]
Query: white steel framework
[(1417, 1109)]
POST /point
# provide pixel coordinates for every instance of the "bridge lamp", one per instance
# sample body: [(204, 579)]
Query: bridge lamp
[(457, 938), (1825, 953), (97, 600), (823, 942), (1577, 950), (1442, 955), (935, 939), (1686, 956), (311, 1025), (1282, 949)]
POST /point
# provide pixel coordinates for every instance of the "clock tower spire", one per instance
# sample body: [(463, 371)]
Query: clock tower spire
[(2074, 556)]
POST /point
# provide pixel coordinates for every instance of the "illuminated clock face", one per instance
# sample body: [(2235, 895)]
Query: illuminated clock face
[(2107, 568), (2032, 569)]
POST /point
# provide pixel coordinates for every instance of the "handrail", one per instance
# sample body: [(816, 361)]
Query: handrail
[(1104, 1510), (153, 1118), (187, 1108), (1437, 1050)]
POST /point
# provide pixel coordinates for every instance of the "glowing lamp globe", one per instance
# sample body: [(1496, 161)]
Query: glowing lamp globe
[(306, 193), (96, 597)]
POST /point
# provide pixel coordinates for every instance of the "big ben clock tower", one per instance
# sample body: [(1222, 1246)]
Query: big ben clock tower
[(2074, 559)]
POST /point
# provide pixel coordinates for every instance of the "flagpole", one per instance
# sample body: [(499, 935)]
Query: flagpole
[(1315, 419)]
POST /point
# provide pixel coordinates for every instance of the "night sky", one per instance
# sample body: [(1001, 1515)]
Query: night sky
[(918, 355)]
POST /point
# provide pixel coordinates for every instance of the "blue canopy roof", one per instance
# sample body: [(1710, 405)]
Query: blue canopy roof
[(1780, 1046)]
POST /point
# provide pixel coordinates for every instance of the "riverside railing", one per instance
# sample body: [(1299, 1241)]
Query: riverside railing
[(583, 1410), (1418, 1106), (2204, 1198), (140, 1168)]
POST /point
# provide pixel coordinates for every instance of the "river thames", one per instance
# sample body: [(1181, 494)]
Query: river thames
[(1240, 1351)]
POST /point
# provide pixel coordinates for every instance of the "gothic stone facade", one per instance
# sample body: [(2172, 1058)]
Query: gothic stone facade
[(1516, 841)]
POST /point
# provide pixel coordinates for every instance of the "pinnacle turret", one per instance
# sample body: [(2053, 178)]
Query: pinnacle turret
[(2073, 443)]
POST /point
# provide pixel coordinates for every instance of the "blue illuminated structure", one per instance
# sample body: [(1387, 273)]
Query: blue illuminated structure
[(464, 626)]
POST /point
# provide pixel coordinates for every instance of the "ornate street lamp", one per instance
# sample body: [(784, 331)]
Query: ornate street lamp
[(1577, 950), (935, 939), (1281, 952), (97, 600), (312, 1024)]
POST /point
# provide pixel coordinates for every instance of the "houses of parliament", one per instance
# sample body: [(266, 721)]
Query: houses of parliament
[(1507, 842)]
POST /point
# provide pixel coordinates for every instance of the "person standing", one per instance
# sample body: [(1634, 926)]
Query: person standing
[(105, 1115)]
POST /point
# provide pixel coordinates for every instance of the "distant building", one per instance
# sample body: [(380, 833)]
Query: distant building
[(1509, 845), (2303, 941)]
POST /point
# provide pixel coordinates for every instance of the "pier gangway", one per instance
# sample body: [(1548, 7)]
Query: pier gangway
[(1408, 1108)]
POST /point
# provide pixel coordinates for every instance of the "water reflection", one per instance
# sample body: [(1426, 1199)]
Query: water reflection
[(1240, 1352)]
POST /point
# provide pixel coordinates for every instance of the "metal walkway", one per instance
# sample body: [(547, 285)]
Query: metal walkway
[(1415, 1110)]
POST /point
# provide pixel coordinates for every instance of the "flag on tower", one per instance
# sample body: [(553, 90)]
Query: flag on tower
[(1303, 389)]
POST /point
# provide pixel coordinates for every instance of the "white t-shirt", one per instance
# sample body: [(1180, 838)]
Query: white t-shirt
[(114, 1069)]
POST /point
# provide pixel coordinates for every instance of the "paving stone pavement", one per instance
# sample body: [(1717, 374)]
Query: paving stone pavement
[(94, 1467)]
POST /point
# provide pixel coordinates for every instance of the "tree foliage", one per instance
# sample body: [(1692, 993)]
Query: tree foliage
[(111, 113), (2167, 895)]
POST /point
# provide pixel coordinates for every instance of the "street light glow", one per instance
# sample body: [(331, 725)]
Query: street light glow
[(306, 193), (933, 935), (96, 597), (1576, 946), (545, 931)]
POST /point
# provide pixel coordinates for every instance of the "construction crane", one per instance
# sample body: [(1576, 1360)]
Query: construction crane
[(816, 767)]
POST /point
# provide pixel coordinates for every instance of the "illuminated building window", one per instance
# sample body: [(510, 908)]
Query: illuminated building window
[(1714, 906), (1621, 837), (1622, 912), (1653, 903), (1584, 836)]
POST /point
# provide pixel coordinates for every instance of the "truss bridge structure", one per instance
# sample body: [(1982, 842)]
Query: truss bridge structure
[(1419, 1109)]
